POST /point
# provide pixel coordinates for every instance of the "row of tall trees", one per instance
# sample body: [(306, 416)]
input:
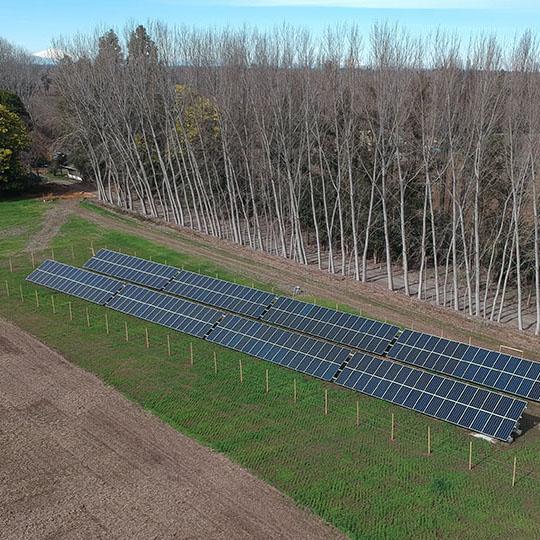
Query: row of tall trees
[(418, 153)]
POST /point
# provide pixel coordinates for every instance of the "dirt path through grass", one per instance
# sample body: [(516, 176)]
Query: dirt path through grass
[(79, 460), (53, 220)]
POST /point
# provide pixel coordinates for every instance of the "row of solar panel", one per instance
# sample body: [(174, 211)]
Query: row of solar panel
[(398, 384), (342, 328), (488, 368)]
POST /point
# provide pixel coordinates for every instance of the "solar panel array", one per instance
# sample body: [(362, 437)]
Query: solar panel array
[(510, 374), (474, 408), (344, 328), (294, 351), (70, 280), (165, 310), (456, 402), (141, 271), (220, 293)]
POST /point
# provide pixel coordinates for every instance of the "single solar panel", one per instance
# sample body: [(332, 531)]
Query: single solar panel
[(134, 269), (165, 310), (294, 351), (343, 328), (70, 280), (220, 293), (456, 402), (493, 369)]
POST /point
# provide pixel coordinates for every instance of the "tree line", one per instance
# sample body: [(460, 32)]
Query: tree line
[(419, 153)]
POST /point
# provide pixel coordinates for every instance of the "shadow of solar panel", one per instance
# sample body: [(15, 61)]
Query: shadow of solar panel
[(74, 281), (344, 328), (492, 369), (134, 269), (456, 402), (301, 353), (165, 310), (220, 293)]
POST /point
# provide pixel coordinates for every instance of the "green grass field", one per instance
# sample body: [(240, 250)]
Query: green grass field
[(352, 476)]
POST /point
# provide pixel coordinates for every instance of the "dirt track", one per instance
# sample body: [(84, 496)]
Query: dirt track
[(375, 299), (77, 460)]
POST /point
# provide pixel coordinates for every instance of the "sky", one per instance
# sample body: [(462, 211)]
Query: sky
[(32, 23)]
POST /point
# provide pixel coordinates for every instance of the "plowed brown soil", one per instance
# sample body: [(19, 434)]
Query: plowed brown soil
[(77, 460)]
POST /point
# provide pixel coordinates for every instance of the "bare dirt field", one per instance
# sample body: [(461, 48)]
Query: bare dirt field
[(77, 460)]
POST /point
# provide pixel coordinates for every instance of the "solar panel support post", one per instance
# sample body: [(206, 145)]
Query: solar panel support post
[(37, 298), (126, 331), (92, 248), (72, 252), (215, 362), (393, 428), (146, 338), (106, 323), (357, 413), (87, 318), (168, 345), (326, 402), (191, 353), (32, 259), (53, 305), (470, 455), (70, 311), (52, 254), (429, 440), (10, 265), (241, 371), (267, 386), (7, 288), (514, 472), (294, 391), (20, 288)]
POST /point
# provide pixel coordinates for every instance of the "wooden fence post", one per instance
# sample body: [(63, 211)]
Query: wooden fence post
[(87, 318), (7, 288), (146, 338), (126, 331), (191, 353), (70, 311), (33, 260), (53, 305), (52, 254), (325, 401), (10, 265), (393, 428), (429, 440), (92, 248), (168, 345), (215, 362), (241, 372), (294, 391), (106, 323), (470, 455), (514, 472), (20, 288), (37, 298), (267, 386), (72, 252), (357, 413)]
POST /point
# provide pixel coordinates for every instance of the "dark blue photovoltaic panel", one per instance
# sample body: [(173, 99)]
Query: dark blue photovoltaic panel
[(344, 328), (220, 293), (294, 351), (165, 310), (70, 280), (496, 370), (456, 402), (141, 271)]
